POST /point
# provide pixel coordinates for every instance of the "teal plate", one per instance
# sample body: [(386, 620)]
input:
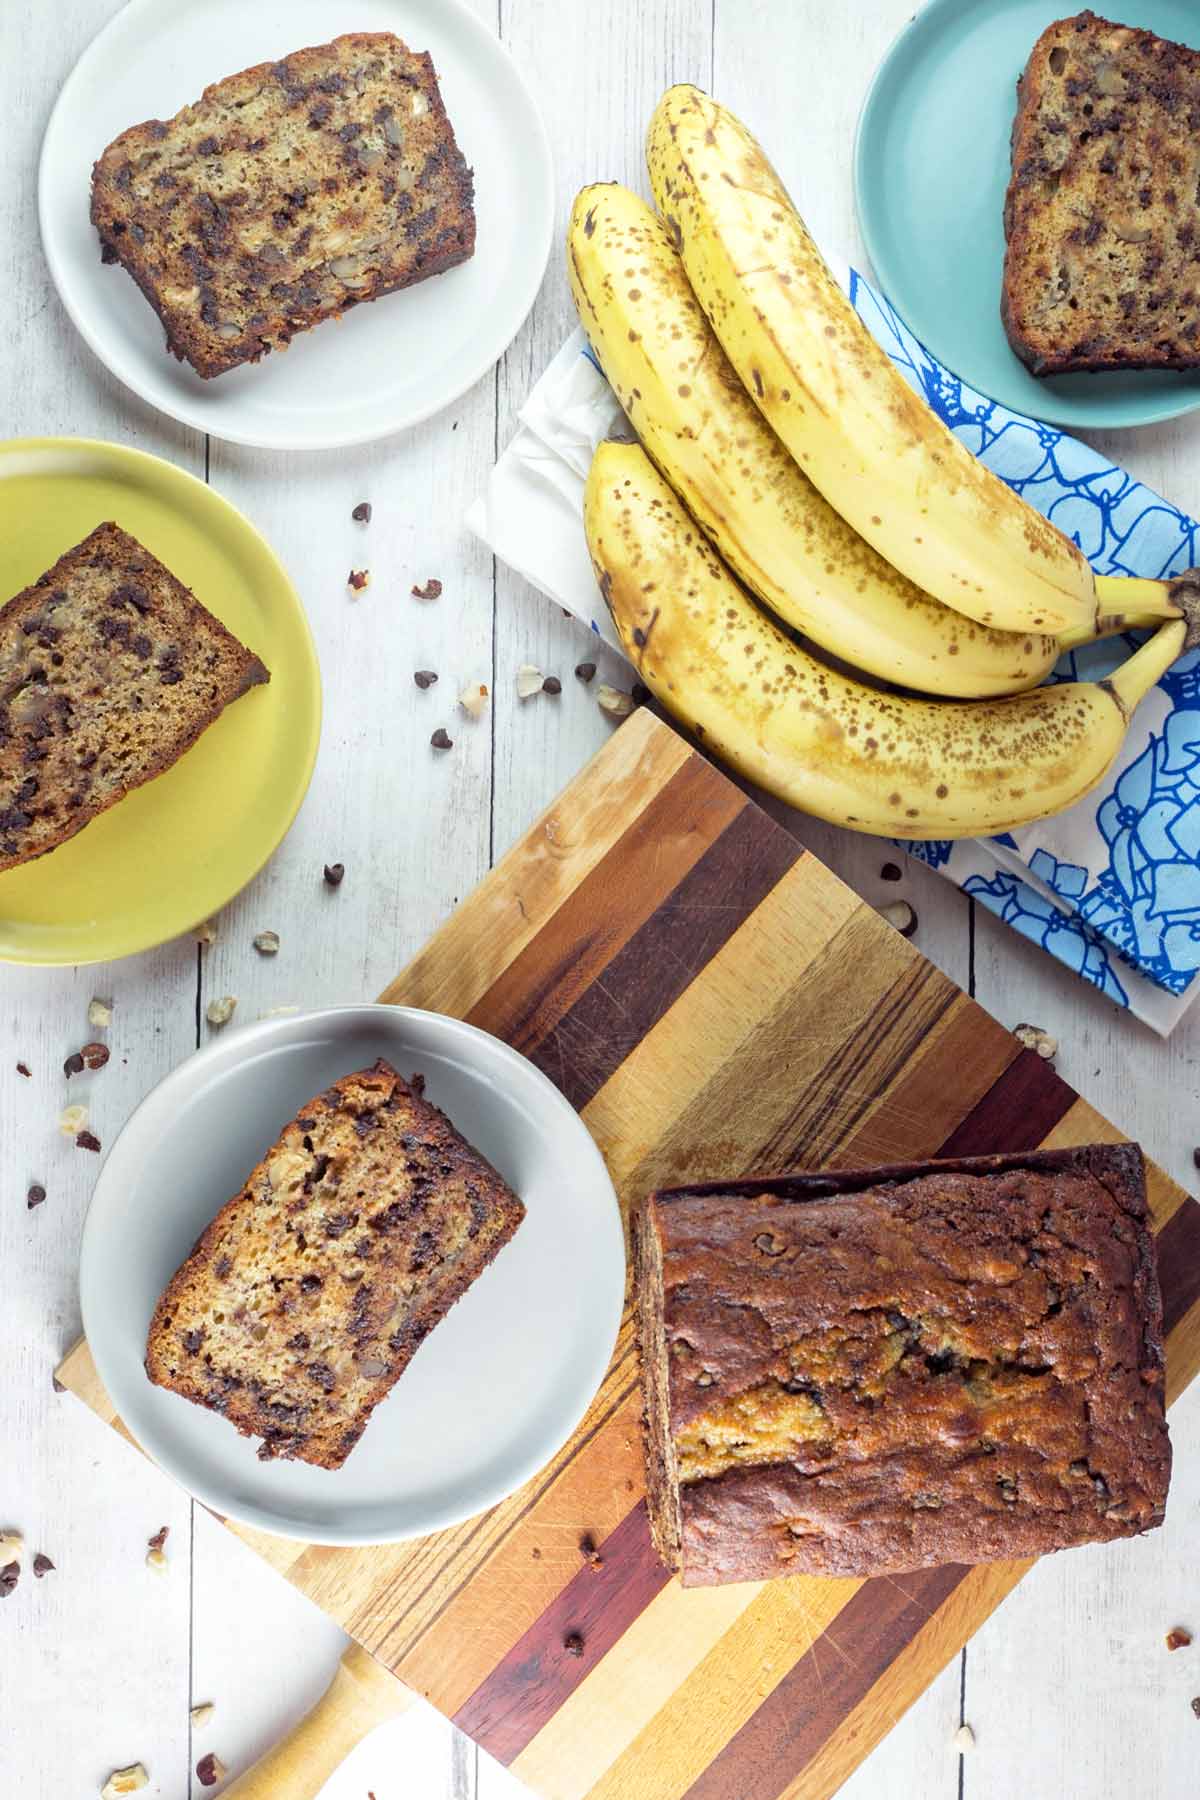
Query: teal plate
[(931, 167)]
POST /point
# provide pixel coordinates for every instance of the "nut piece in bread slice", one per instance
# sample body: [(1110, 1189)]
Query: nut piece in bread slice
[(109, 670), (309, 1294), (1102, 215), (285, 195)]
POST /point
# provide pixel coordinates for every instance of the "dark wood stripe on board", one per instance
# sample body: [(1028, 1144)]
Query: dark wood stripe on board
[(540, 1672), (646, 976), (1018, 1111), (1178, 1246), (820, 1691), (856, 1076), (677, 826)]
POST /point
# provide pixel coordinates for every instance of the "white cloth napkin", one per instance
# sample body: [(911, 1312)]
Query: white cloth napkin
[(1111, 887)]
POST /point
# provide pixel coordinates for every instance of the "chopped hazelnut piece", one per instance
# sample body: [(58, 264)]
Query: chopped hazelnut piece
[(473, 699), (1034, 1038), (614, 702), (124, 1781)]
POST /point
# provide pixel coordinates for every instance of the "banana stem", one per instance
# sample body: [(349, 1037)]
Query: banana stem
[(1108, 625), (1135, 677), (1134, 596)]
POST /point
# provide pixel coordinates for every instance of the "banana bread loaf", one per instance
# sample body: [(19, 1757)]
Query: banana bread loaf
[(285, 195), (1102, 218), (309, 1294), (109, 670), (857, 1374)]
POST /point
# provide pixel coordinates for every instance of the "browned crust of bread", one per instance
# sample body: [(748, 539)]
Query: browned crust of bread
[(449, 239), (1163, 79), (715, 1311), (384, 1244), (117, 552)]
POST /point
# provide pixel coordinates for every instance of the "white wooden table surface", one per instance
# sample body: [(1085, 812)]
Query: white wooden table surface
[(1069, 1688)]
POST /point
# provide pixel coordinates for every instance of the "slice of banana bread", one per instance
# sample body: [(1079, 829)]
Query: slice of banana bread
[(285, 195), (1102, 217), (309, 1294), (109, 670)]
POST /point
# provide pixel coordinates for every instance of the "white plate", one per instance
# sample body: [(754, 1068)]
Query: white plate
[(493, 1392), (384, 366)]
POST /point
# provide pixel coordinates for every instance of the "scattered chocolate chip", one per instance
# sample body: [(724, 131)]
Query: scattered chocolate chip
[(430, 591), (1195, 1153), (425, 678), (10, 1574), (552, 685), (159, 1539), (35, 1196), (573, 1644), (362, 512), (209, 1770), (1196, 1706), (1178, 1638), (41, 1565), (73, 1064), (87, 1140), (891, 872), (640, 694), (589, 1552), (22, 1070), (441, 740), (95, 1055), (334, 873), (585, 671), (358, 579)]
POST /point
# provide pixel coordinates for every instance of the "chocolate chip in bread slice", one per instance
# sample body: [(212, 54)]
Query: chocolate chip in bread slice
[(309, 1294), (110, 669), (1102, 217), (285, 195)]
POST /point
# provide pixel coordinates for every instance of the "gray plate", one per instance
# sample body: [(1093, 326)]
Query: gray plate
[(493, 1392)]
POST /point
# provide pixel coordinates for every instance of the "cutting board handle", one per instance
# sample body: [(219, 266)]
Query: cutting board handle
[(361, 1695)]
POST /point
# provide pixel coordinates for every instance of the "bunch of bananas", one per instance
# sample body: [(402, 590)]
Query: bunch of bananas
[(787, 476)]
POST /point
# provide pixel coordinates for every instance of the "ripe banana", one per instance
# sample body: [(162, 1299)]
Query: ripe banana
[(872, 446), (770, 524), (884, 763)]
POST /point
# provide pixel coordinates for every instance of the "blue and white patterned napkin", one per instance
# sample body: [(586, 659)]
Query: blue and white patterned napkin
[(1111, 887)]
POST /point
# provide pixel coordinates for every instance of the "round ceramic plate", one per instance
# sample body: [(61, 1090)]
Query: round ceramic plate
[(382, 367), (931, 168), (499, 1384), (176, 850)]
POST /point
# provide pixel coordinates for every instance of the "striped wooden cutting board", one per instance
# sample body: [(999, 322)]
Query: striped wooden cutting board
[(715, 1002)]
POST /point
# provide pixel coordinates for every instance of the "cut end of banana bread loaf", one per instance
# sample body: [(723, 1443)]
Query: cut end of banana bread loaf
[(863, 1373), (285, 195), (309, 1294), (109, 670), (1102, 217)]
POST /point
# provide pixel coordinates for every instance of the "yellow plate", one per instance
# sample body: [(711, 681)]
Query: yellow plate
[(179, 848)]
